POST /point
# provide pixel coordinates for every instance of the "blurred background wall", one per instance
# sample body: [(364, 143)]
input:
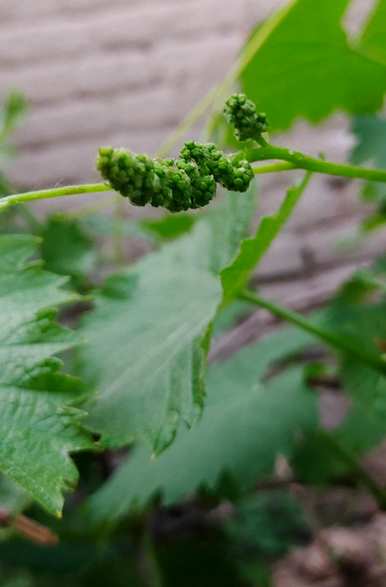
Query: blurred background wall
[(125, 72)]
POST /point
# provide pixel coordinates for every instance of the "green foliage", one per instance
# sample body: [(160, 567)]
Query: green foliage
[(298, 70), (40, 423)]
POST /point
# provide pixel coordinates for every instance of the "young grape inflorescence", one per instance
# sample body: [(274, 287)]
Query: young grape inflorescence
[(189, 181), (241, 113)]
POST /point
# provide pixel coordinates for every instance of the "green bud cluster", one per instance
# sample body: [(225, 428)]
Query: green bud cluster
[(231, 173), (241, 113), (175, 184)]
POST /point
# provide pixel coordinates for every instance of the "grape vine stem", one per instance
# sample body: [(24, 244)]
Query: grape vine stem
[(286, 160)]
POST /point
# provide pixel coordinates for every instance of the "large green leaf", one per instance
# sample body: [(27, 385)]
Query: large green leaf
[(148, 335), (244, 427), (39, 425), (307, 68), (235, 276)]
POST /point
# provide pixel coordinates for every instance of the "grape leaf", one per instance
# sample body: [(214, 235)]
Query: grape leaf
[(39, 423), (243, 428), (235, 276), (147, 337), (307, 68)]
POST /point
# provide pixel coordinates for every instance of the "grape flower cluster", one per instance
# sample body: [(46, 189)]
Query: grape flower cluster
[(189, 181), (175, 184), (242, 114)]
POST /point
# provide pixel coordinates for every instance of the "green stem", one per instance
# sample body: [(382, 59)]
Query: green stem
[(58, 192), (334, 340), (301, 161)]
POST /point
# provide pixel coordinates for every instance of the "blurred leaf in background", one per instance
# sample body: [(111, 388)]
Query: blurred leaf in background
[(11, 115), (263, 528), (67, 249)]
